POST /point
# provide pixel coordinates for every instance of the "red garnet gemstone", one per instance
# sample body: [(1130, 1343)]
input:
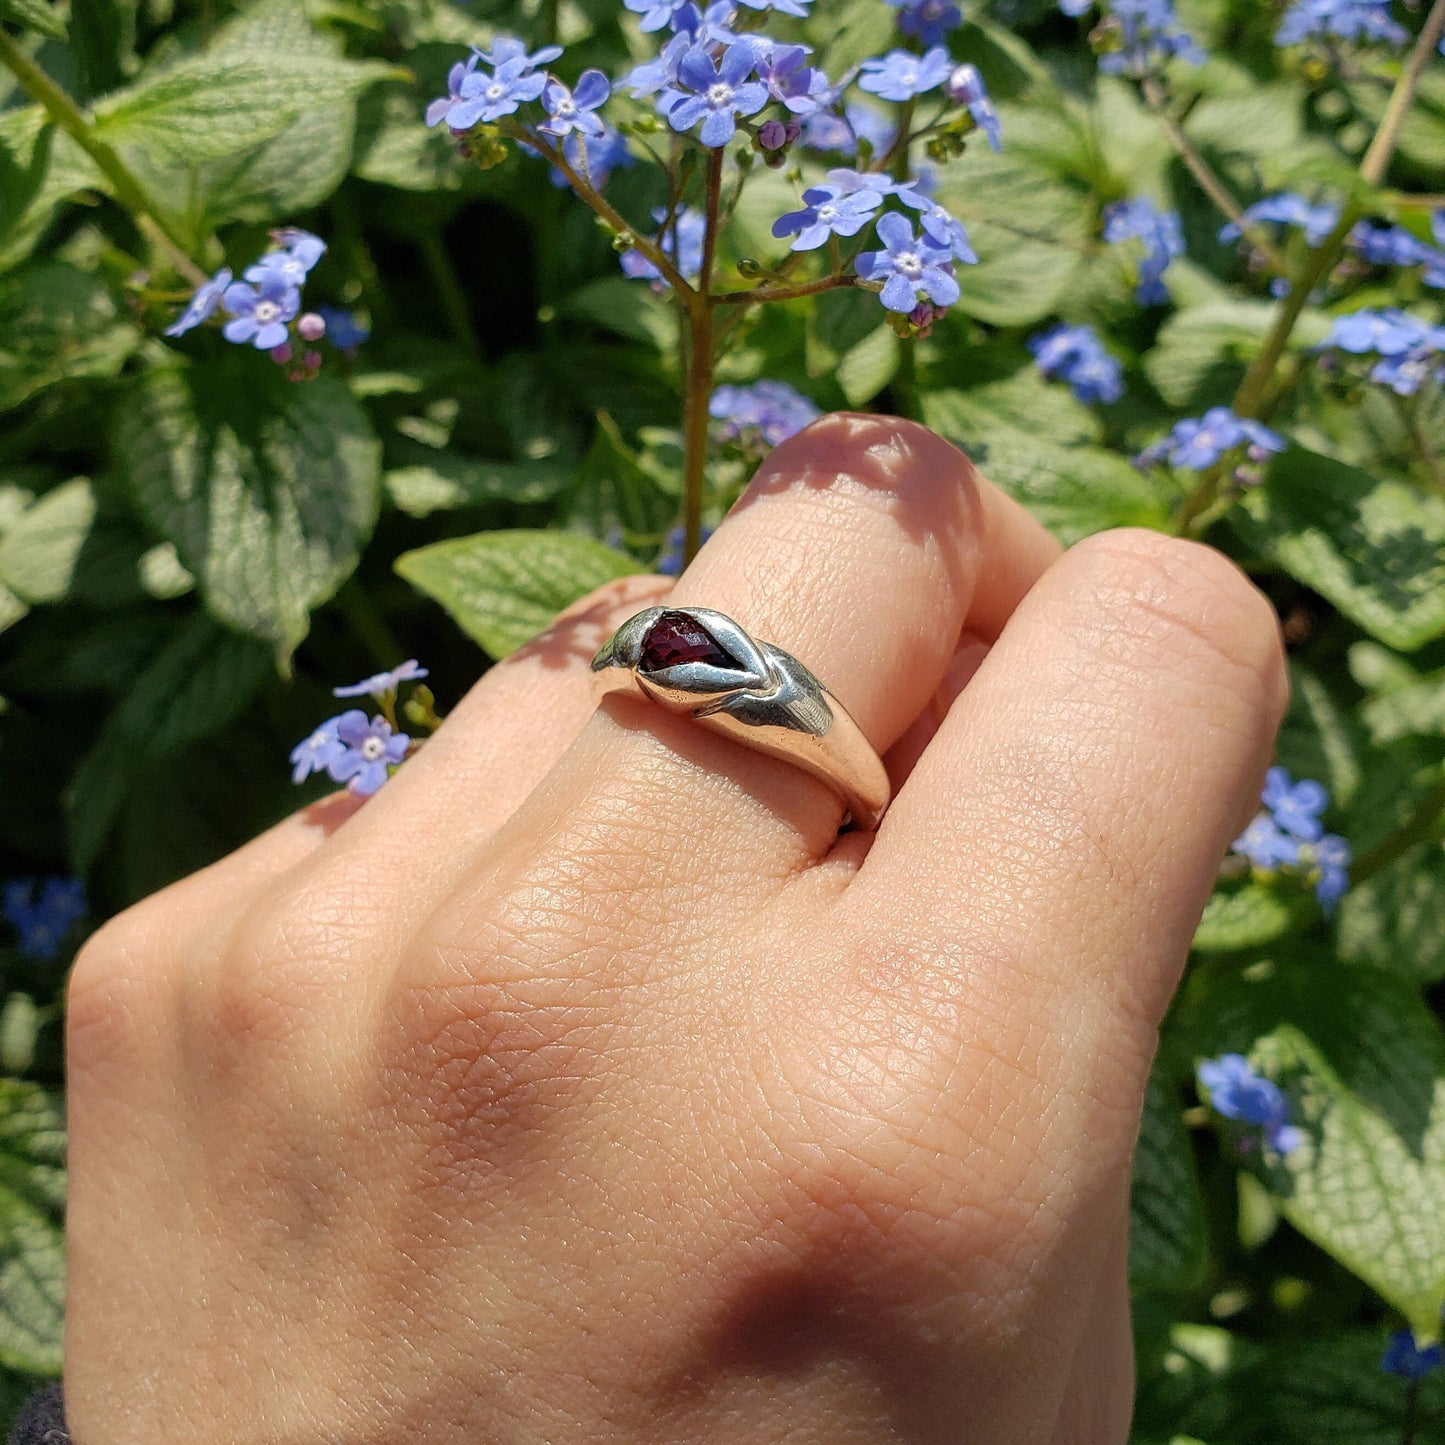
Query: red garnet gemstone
[(675, 638)]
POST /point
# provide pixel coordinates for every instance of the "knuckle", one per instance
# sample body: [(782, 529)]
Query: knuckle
[(1182, 603), (118, 990)]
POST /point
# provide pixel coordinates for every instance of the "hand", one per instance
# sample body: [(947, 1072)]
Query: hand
[(585, 1086)]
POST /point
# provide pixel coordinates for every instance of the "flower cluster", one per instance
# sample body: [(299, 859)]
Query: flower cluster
[(1288, 835), (1200, 442), (262, 305), (1076, 355), (714, 80), (1340, 20), (762, 415), (1411, 351), (1288, 209), (1162, 237), (42, 913), (354, 749), (1137, 37), (1236, 1091), (1395, 246)]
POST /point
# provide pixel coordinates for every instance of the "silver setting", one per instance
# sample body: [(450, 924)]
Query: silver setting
[(770, 702)]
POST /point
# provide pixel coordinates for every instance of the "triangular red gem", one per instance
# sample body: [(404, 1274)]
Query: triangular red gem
[(676, 638)]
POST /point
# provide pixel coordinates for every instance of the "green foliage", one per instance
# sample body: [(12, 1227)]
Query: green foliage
[(195, 547)]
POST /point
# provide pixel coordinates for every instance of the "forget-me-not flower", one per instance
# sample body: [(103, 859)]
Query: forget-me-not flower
[(369, 749), (569, 110), (1288, 209), (1237, 1092), (939, 226), (316, 753), (767, 411), (1161, 234), (1198, 442), (965, 87), (681, 243), (381, 683), (202, 306), (292, 264), (1408, 1360), (901, 75), (259, 313), (1290, 834), (1410, 350), (476, 96), (784, 69), (716, 93), (912, 268), (1076, 355), (1342, 19), (927, 21), (42, 923), (344, 329), (655, 14), (826, 212)]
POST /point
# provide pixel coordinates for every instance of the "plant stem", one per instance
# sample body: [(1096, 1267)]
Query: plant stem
[(1257, 386), (1420, 827), (699, 371), (449, 291), (1208, 179), (154, 224), (1412, 1413), (783, 293)]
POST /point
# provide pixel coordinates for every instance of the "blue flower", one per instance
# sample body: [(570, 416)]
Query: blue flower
[(1329, 860), (1403, 1357), (827, 212), (1161, 234), (292, 264), (790, 80), (1139, 35), (656, 14), (912, 268), (1388, 245), (507, 48), (901, 75), (1197, 443), (1075, 354), (965, 87), (344, 329), (798, 8), (682, 243), (669, 561), (317, 752), (1343, 19), (1410, 349), (768, 412), (1266, 845), (1288, 209), (260, 313), (368, 750), (1296, 806), (1237, 1092), (596, 160), (570, 110), (938, 225), (716, 93), (381, 683), (202, 306), (42, 923), (660, 74), (927, 21), (474, 96)]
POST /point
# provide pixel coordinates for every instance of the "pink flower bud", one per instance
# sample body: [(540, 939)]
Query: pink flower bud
[(772, 135), (281, 354), (311, 327)]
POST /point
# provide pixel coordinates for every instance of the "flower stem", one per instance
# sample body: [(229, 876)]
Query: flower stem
[(783, 293), (154, 224), (1208, 179), (1257, 388)]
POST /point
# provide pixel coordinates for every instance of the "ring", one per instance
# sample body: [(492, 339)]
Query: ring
[(699, 663)]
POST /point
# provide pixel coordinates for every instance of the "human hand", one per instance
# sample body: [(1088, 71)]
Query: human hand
[(586, 1086)]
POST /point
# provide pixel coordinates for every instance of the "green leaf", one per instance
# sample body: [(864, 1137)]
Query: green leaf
[(865, 369), (446, 481), (1166, 1210), (1362, 1062), (268, 490), (1248, 916), (1073, 491), (57, 323), (1396, 920), (1333, 1392), (1374, 547), (503, 588), (35, 14), (195, 685), (1404, 702), (40, 166), (32, 1250), (38, 555), (624, 307), (209, 107)]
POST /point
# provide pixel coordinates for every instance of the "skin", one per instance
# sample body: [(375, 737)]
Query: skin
[(585, 1085)]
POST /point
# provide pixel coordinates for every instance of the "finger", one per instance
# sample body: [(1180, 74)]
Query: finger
[(1099, 760), (861, 546)]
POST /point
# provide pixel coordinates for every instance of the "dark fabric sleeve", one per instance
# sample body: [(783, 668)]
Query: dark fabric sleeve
[(41, 1420)]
